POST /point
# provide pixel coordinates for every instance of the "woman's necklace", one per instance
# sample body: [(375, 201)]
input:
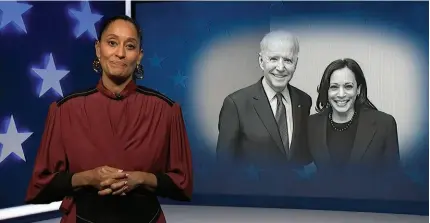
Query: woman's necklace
[(330, 115)]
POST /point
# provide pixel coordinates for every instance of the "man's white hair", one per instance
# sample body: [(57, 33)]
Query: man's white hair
[(282, 35)]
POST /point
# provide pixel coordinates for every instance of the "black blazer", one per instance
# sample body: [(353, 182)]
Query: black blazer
[(373, 170), (248, 131), (375, 147)]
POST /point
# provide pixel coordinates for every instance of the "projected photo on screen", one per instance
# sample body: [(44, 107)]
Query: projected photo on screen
[(305, 99)]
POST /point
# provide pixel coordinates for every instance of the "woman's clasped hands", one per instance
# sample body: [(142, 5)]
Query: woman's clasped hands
[(112, 181)]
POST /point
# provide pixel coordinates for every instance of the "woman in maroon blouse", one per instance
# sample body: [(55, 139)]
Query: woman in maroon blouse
[(108, 152)]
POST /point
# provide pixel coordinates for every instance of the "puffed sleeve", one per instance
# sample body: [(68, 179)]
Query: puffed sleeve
[(50, 180), (177, 182)]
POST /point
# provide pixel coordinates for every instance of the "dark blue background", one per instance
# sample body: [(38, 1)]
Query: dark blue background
[(176, 32), (49, 30)]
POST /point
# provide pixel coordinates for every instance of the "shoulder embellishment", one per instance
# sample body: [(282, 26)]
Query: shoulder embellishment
[(76, 94), (148, 91)]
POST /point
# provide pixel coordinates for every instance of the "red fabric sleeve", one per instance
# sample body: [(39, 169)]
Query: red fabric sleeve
[(177, 182), (50, 180)]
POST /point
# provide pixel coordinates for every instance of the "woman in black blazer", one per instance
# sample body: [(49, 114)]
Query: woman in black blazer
[(348, 132), (353, 145)]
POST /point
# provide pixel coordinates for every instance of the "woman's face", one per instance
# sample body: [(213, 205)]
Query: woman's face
[(343, 91), (119, 50)]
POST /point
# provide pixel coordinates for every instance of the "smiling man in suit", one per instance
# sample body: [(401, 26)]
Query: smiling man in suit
[(265, 124)]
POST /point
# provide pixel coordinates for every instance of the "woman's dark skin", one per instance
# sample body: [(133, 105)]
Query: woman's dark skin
[(119, 52)]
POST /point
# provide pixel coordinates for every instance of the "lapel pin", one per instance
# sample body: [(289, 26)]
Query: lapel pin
[(299, 106)]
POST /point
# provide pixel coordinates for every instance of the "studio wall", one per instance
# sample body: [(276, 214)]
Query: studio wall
[(205, 55), (47, 53)]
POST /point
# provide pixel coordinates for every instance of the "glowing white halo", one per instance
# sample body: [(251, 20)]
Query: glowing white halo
[(390, 63)]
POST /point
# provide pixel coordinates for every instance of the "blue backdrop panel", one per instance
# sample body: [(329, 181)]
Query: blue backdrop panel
[(177, 34), (47, 51)]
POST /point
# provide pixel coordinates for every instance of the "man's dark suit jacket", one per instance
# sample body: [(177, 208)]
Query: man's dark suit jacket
[(248, 132)]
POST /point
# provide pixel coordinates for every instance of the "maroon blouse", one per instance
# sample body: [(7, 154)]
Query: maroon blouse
[(136, 130)]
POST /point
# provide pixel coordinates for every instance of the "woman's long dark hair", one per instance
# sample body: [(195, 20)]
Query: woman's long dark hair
[(362, 100)]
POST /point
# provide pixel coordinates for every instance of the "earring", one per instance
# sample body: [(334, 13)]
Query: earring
[(138, 72), (96, 65)]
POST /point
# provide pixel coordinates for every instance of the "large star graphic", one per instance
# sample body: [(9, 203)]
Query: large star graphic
[(156, 61), (86, 20), (12, 140), (51, 77), (12, 12), (179, 79)]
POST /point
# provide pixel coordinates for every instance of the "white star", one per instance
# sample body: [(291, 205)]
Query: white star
[(51, 77), (12, 140), (86, 20), (12, 12)]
